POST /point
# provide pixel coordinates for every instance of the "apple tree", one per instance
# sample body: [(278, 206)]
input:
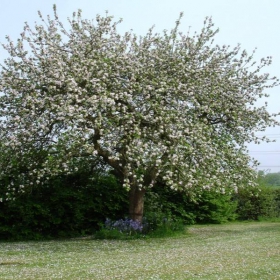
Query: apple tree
[(170, 106)]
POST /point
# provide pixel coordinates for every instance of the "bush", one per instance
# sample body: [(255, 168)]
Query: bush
[(208, 207), (161, 226), (63, 206), (215, 207), (258, 203)]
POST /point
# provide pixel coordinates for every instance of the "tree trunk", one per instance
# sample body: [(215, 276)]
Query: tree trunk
[(136, 203)]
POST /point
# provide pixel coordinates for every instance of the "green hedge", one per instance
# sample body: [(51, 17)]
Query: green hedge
[(63, 206), (258, 203), (207, 207), (73, 205)]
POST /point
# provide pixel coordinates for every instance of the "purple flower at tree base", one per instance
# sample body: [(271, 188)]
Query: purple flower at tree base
[(124, 226)]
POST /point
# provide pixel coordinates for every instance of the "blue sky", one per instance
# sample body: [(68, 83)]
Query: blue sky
[(253, 23)]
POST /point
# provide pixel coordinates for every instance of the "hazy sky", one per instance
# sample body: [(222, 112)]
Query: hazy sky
[(253, 23)]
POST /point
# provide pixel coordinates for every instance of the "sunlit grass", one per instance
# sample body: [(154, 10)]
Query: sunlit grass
[(231, 251)]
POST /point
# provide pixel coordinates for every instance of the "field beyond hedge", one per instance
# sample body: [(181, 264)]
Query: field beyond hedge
[(231, 251)]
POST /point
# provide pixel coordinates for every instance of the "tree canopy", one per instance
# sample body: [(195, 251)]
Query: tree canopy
[(171, 106)]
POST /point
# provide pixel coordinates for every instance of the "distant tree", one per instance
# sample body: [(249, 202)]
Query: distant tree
[(272, 179), (169, 106)]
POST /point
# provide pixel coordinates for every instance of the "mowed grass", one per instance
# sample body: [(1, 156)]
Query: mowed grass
[(230, 251)]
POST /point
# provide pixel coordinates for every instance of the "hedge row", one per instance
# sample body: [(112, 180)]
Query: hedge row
[(65, 206), (78, 204)]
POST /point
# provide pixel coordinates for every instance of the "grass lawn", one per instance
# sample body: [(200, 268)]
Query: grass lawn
[(230, 251)]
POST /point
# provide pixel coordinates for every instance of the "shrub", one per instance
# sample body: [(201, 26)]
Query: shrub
[(257, 203), (215, 207), (208, 207), (161, 226), (67, 205)]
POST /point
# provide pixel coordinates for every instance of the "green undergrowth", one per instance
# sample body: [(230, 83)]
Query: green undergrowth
[(148, 229)]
